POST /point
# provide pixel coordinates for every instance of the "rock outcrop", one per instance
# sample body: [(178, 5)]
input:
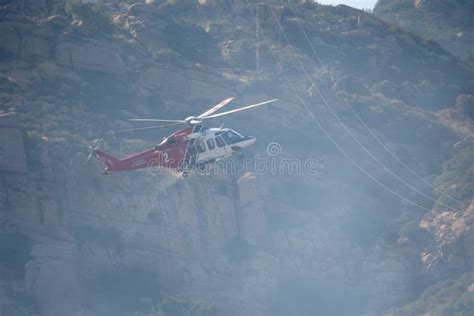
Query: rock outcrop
[(447, 22), (297, 235)]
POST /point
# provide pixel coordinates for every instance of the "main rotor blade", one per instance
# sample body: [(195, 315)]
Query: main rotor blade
[(4, 114), (143, 128), (157, 120), (239, 109), (217, 107)]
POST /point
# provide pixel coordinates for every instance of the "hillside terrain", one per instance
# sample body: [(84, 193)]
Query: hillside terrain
[(385, 224), (449, 22)]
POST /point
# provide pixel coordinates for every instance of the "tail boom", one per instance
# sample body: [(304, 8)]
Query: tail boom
[(110, 161)]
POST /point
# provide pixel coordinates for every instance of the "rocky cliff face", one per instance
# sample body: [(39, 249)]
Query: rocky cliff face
[(447, 22), (73, 242)]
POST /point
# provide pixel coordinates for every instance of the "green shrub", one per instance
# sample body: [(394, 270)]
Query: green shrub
[(73, 8), (192, 42), (413, 232), (358, 37), (351, 85), (89, 13), (174, 7), (394, 6), (240, 53), (457, 178), (388, 88), (260, 81), (434, 46), (443, 298)]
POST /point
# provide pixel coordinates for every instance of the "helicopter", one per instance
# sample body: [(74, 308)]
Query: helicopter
[(194, 146)]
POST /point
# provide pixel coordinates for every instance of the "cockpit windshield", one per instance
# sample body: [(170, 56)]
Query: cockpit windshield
[(231, 137), (168, 140)]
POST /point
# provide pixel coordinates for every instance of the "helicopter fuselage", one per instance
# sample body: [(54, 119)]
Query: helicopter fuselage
[(191, 147)]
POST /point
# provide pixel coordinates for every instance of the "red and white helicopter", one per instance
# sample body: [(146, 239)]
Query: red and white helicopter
[(193, 146)]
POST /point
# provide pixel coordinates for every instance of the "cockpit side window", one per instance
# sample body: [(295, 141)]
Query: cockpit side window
[(220, 141), (210, 144), (231, 137), (200, 146), (197, 128), (171, 140)]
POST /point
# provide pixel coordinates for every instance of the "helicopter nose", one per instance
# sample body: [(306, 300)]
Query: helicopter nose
[(245, 141), (248, 140)]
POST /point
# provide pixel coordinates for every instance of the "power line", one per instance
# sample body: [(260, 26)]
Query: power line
[(392, 154), (313, 117), (345, 126)]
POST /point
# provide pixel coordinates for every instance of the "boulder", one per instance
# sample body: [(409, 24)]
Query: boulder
[(184, 82), (94, 56), (35, 48), (24, 38), (146, 25), (27, 7)]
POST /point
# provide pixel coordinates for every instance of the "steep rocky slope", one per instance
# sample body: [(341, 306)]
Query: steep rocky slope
[(448, 22), (254, 242)]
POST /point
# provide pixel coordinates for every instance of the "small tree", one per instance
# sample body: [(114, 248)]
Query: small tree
[(89, 13)]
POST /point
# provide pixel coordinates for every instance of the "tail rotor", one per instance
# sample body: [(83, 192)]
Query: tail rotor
[(95, 144)]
